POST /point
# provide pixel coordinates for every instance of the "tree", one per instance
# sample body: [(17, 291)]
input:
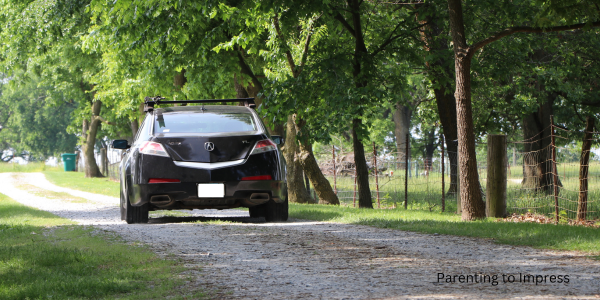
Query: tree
[(32, 124), (42, 38), (472, 204)]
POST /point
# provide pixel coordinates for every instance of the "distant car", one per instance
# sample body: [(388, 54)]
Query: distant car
[(200, 157)]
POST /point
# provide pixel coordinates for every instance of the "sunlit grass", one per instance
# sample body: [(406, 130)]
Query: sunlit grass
[(30, 167), (43, 256), (77, 180), (547, 236)]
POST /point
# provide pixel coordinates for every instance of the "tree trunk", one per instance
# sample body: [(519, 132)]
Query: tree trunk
[(295, 180), (402, 116), (320, 183), (362, 172), (91, 168), (430, 146), (537, 167), (311, 169), (240, 91), (179, 80), (583, 169), (472, 203), (440, 74), (135, 126)]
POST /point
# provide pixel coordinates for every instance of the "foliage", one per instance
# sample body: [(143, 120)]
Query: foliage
[(35, 124)]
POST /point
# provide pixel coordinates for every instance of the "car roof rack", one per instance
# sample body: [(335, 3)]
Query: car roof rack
[(150, 102)]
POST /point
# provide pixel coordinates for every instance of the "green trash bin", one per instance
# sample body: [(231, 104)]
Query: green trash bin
[(69, 161)]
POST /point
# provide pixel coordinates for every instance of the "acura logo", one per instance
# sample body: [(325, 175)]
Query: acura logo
[(209, 146)]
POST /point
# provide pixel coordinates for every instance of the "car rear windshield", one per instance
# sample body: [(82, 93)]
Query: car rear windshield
[(203, 123)]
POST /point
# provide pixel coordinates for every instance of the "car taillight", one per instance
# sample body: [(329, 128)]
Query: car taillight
[(263, 146), (260, 177), (153, 148), (163, 180)]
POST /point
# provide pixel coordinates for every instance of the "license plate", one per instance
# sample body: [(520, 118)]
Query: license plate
[(211, 190)]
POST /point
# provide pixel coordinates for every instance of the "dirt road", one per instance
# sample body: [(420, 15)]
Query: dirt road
[(244, 258)]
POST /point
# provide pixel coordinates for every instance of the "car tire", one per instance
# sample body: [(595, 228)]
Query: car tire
[(133, 214), (276, 212), (257, 211)]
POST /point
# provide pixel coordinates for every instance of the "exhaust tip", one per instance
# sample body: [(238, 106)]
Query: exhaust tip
[(161, 200), (260, 196)]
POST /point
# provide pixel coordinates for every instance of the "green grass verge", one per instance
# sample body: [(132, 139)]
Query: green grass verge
[(45, 256), (77, 181), (548, 236)]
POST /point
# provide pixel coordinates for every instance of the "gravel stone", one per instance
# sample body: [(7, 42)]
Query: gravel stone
[(247, 258)]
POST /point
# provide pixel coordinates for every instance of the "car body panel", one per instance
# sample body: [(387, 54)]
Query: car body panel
[(187, 150)]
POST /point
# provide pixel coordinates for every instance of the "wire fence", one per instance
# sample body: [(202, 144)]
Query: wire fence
[(554, 178), (543, 177), (428, 183)]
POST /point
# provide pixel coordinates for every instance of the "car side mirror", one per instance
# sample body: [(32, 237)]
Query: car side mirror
[(120, 144), (278, 140)]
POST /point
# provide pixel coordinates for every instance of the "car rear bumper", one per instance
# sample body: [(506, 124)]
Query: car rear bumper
[(185, 195)]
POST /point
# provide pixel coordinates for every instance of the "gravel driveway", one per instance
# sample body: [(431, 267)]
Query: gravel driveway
[(246, 258)]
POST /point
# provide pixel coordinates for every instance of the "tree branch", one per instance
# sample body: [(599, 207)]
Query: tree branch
[(512, 30), (101, 119), (340, 18), (288, 54), (245, 69)]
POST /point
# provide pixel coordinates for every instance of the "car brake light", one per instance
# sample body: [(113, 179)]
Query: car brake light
[(260, 177), (153, 148), (263, 146), (163, 180)]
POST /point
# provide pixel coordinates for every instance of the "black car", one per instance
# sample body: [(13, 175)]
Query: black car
[(199, 157)]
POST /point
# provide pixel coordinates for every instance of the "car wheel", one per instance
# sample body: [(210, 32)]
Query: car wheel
[(134, 214), (276, 212), (257, 211)]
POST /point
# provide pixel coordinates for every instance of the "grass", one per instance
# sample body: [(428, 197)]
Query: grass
[(30, 167), (77, 181), (560, 237), (45, 256)]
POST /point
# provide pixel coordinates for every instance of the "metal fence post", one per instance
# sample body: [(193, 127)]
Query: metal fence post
[(554, 171), (354, 196), (376, 176), (406, 173), (443, 179)]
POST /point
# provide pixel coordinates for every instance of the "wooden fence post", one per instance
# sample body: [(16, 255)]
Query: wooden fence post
[(584, 168), (495, 204), (443, 179), (554, 170)]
